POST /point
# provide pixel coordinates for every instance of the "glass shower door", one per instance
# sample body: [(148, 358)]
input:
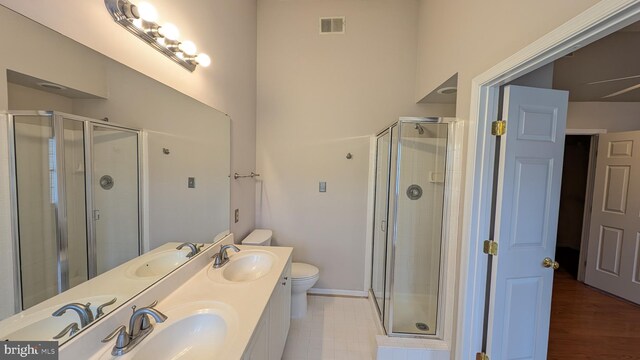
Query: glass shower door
[(36, 186), (380, 224), (115, 183), (75, 201), (51, 212), (418, 236)]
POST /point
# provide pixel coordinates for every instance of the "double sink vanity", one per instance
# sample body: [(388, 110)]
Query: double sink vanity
[(239, 310)]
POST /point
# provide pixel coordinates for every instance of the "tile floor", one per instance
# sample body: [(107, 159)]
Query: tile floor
[(334, 328)]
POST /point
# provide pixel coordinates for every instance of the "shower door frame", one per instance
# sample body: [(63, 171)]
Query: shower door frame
[(380, 307), (449, 165), (92, 250), (57, 125)]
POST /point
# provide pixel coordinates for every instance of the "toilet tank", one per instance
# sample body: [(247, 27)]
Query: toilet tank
[(260, 237)]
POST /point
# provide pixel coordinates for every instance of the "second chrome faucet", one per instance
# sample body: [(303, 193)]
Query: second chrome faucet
[(139, 327), (195, 248), (221, 258)]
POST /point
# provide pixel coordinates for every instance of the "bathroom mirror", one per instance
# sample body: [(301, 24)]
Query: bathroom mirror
[(115, 168)]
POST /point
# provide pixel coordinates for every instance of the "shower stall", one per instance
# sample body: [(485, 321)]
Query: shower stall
[(75, 191), (412, 162)]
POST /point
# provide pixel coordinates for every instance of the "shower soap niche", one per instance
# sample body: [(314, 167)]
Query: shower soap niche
[(436, 177)]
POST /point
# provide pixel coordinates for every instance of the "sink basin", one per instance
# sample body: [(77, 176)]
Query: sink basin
[(158, 264), (248, 265), (198, 336), (41, 325), (197, 330)]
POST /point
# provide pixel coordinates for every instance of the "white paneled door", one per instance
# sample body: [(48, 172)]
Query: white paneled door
[(528, 197), (613, 257)]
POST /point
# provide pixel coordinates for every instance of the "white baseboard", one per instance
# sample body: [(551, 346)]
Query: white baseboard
[(357, 293)]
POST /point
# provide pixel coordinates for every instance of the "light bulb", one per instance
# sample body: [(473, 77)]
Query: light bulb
[(147, 12), (169, 31), (203, 59), (188, 48)]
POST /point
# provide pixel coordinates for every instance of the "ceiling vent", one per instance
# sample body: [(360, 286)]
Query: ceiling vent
[(332, 25)]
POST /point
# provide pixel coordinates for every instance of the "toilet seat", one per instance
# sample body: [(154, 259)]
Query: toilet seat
[(302, 271)]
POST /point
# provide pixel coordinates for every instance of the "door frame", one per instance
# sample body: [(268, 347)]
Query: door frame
[(588, 198), (602, 19)]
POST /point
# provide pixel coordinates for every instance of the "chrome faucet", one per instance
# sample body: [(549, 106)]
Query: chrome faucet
[(221, 258), (194, 248), (83, 311), (139, 327)]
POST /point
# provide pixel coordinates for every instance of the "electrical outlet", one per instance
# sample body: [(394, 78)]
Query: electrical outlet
[(323, 186), (237, 215), (191, 183)]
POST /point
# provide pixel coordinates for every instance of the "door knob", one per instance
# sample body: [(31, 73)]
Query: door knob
[(548, 262)]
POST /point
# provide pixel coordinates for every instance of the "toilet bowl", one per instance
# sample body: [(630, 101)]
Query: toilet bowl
[(303, 276)]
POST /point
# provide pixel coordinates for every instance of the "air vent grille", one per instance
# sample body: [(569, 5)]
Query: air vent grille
[(332, 25)]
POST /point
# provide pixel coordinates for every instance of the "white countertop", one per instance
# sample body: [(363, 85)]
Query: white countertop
[(242, 303)]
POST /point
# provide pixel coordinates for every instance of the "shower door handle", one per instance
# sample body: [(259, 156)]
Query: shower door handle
[(383, 226)]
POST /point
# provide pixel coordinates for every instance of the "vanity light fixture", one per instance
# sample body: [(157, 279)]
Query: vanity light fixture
[(142, 21)]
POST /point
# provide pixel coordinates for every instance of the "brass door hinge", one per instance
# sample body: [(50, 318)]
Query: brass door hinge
[(482, 356), (498, 127), (490, 247)]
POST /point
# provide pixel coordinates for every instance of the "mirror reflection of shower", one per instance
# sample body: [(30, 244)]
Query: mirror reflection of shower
[(72, 222)]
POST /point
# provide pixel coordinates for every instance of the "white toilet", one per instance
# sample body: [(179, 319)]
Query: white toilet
[(303, 276)]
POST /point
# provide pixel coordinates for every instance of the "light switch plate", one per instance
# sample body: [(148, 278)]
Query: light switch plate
[(323, 186)]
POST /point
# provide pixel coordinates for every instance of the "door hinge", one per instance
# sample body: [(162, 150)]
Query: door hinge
[(482, 356), (498, 127), (490, 247)]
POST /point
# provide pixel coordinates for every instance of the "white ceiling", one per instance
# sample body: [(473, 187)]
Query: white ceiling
[(615, 56)]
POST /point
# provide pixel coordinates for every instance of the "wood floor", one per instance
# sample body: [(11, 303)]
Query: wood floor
[(589, 324)]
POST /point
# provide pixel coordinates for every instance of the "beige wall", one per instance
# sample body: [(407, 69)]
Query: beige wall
[(469, 37), (613, 116), (224, 29), (319, 98)]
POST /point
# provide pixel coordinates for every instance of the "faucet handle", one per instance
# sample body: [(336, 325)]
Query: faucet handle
[(134, 307), (121, 335), (72, 329), (100, 310)]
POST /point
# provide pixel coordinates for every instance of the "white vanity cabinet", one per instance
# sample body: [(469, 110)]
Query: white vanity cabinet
[(270, 336), (280, 314)]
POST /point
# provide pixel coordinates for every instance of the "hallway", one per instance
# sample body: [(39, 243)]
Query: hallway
[(589, 324)]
